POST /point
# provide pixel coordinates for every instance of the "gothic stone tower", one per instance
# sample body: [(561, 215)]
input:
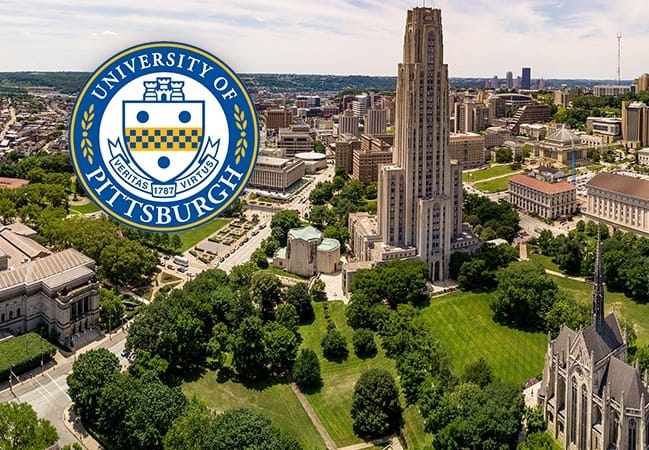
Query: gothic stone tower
[(420, 196)]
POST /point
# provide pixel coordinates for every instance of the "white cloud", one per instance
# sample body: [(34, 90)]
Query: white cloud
[(557, 38)]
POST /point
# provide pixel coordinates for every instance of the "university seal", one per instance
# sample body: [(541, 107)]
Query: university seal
[(163, 137)]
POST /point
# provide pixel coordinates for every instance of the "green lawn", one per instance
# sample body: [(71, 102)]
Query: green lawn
[(84, 209), (623, 306), (23, 353), (283, 273), (545, 261), (595, 167), (496, 185), (463, 321), (333, 403), (192, 237), (493, 171), (276, 401)]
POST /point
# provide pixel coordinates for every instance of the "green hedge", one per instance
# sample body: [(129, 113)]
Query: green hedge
[(23, 353)]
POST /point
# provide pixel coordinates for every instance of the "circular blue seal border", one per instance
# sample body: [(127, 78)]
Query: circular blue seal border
[(125, 206)]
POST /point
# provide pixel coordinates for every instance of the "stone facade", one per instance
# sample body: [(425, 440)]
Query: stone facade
[(307, 253), (549, 200), (591, 398)]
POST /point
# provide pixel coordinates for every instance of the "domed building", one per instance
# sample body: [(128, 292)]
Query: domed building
[(560, 146), (307, 253)]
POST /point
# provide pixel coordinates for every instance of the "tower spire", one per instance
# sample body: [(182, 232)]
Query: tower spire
[(598, 291)]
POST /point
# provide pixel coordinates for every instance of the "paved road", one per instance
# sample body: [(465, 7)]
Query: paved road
[(47, 391)]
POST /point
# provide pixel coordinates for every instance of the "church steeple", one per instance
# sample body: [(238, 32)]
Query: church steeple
[(597, 311)]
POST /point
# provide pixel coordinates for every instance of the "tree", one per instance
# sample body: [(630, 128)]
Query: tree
[(283, 221), (21, 429), (534, 419), (537, 441), (306, 370), (192, 430), (524, 295), (319, 147), (249, 352), (569, 312), (90, 373), (241, 428), (281, 348), (124, 261), (286, 315), (111, 308), (363, 342), (259, 258), (298, 296), (569, 255), (265, 291), (478, 372), (504, 155), (317, 291), (334, 345), (375, 404), (477, 419)]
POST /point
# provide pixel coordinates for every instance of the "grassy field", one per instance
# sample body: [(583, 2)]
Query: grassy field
[(23, 353), (613, 301), (496, 185), (463, 321), (283, 273), (333, 403), (192, 237), (493, 171), (274, 400), (545, 261), (84, 209)]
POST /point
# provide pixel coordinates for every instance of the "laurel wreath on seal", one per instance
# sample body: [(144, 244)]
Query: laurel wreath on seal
[(242, 142), (86, 125)]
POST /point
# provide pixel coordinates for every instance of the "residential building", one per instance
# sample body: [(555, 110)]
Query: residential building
[(642, 83), (468, 149), (470, 117), (563, 96), (375, 121), (276, 174), (344, 151), (590, 396), (360, 105), (348, 123), (366, 162), (548, 200), (635, 124), (619, 201), (307, 253), (277, 118), (610, 89)]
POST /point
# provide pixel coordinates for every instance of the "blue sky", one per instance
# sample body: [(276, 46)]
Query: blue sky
[(482, 38)]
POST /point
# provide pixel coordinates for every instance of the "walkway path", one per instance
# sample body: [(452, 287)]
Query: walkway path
[(331, 445)]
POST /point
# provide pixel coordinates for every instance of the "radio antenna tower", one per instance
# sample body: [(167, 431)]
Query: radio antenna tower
[(619, 38)]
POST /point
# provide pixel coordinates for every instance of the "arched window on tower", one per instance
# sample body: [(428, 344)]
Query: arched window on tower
[(582, 417), (615, 428), (633, 435), (573, 412)]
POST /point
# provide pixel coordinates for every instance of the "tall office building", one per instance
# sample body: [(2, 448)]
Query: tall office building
[(375, 121), (420, 193), (510, 80), (526, 78)]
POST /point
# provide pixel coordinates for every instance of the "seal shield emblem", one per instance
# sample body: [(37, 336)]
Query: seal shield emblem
[(163, 137), (163, 133)]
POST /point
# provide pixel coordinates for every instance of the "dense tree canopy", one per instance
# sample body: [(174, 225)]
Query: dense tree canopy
[(524, 295), (90, 373), (375, 404), (501, 217), (398, 281), (306, 371), (21, 429)]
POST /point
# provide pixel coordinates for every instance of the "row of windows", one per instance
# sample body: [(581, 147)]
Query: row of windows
[(3, 316)]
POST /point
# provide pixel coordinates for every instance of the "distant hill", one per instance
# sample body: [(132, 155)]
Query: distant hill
[(324, 85)]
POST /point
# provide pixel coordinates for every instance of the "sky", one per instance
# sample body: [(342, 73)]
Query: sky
[(482, 38)]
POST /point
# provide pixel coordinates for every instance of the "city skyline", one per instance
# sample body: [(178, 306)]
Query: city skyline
[(557, 39)]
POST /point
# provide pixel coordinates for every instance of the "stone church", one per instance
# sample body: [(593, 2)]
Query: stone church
[(591, 398)]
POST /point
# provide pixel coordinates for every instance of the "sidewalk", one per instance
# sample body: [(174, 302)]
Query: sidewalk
[(74, 425)]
